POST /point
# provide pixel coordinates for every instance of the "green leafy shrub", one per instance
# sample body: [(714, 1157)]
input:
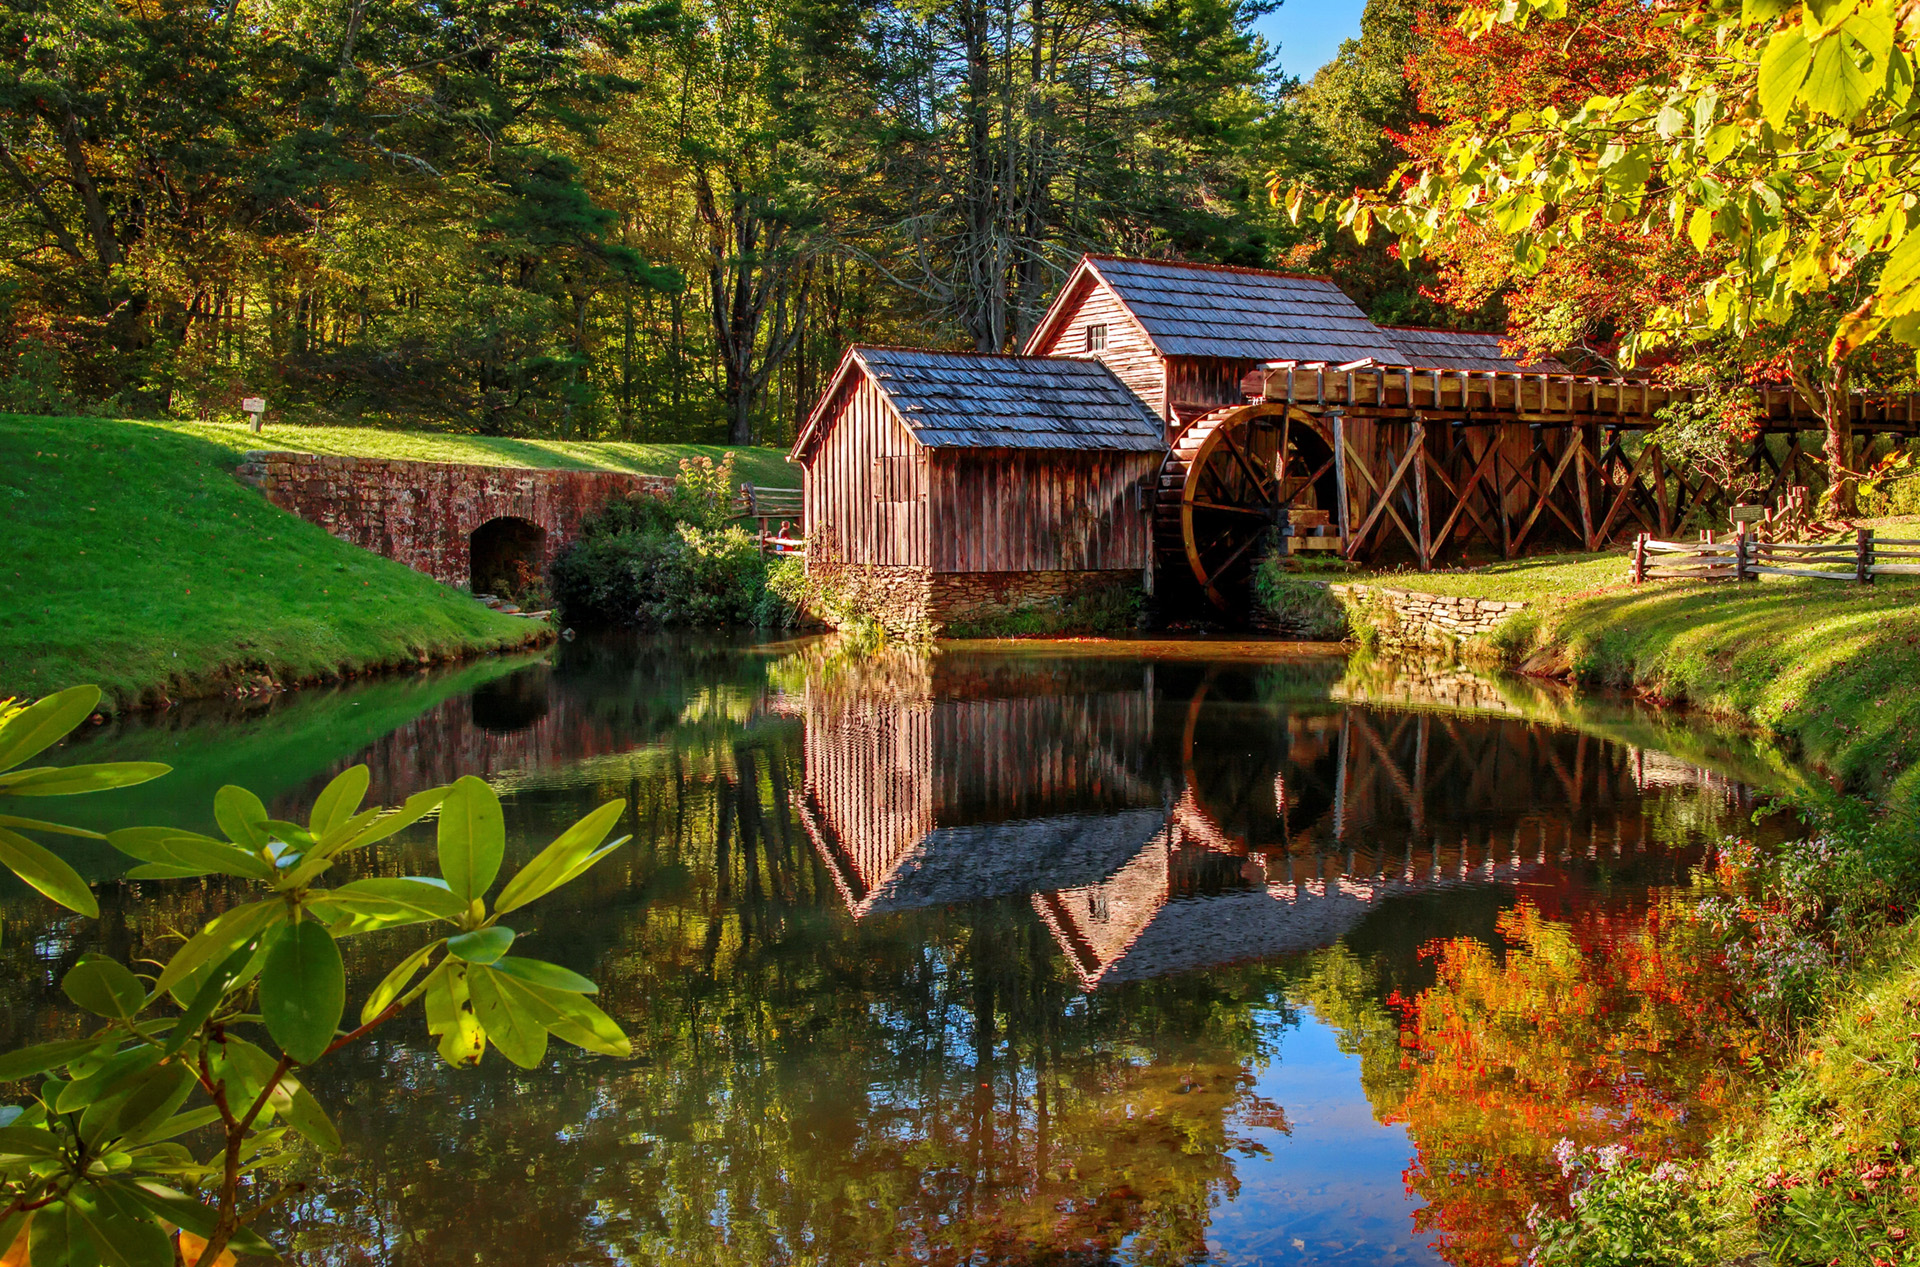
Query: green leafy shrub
[(828, 598), (1107, 609), (1797, 918), (1626, 1212), (152, 1139), (1289, 597), (657, 562)]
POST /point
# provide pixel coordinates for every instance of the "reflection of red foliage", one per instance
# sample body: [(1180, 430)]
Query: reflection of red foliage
[(1611, 1026)]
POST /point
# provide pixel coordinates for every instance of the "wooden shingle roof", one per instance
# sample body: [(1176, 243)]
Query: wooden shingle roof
[(971, 401), (1245, 314), (1428, 349)]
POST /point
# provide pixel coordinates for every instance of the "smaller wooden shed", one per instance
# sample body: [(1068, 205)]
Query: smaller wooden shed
[(948, 486)]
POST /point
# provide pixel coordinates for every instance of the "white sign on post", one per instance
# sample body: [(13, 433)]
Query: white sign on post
[(255, 407)]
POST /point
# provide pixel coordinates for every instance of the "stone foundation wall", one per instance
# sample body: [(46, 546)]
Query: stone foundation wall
[(1409, 618), (969, 596), (911, 600), (422, 513)]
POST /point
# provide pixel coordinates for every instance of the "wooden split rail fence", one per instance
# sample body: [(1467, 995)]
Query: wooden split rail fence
[(771, 506), (1748, 558)]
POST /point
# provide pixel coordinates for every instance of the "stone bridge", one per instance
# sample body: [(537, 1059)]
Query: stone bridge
[(483, 527)]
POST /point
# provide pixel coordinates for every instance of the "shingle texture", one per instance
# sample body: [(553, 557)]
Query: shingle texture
[(1459, 350), (1252, 316), (951, 400)]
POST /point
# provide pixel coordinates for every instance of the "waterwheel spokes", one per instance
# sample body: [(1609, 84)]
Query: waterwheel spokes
[(1226, 482)]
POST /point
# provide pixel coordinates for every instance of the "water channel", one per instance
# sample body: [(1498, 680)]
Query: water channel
[(1063, 953)]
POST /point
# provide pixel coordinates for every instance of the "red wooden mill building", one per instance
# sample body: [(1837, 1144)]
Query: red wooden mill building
[(1168, 423)]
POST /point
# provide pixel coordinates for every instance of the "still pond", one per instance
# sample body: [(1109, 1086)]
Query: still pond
[(1070, 953)]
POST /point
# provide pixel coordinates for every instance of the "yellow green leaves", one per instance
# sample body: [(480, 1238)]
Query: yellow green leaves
[(169, 854), (1837, 84), (303, 990), (1625, 167), (509, 1023), (46, 872), (286, 855), (572, 852), (1835, 62), (364, 906), (515, 1004), (105, 987), (1780, 142), (338, 801), (241, 816), (450, 1015), (113, 1113), (38, 727), (219, 938), (395, 982), (1783, 69), (482, 946), (473, 838), (26, 734)]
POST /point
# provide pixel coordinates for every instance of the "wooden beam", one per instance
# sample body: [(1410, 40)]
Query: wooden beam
[(1462, 498), (1340, 466), (1421, 512), (1385, 503), (1583, 479), (1661, 501), (1545, 495)]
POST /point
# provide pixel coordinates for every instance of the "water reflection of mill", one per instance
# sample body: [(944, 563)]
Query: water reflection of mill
[(1167, 825)]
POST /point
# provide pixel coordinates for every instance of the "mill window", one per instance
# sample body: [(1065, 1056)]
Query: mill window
[(1096, 338)]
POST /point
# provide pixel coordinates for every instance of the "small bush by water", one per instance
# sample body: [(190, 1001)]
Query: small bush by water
[(1826, 1170), (654, 563), (1290, 595), (1113, 609)]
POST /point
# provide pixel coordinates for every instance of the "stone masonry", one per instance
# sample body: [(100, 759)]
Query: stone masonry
[(1409, 618), (423, 514), (914, 599)]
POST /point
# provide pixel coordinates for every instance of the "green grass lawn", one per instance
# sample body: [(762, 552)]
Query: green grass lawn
[(755, 465), (1548, 577), (134, 559)]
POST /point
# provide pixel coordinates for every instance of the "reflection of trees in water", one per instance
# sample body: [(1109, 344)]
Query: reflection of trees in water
[(909, 1068), (924, 1088), (1617, 1025)]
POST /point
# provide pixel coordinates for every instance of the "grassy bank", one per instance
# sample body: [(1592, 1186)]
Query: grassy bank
[(1830, 669), (763, 466), (1822, 1163), (136, 561)]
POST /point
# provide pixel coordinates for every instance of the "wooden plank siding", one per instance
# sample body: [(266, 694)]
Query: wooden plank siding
[(845, 515), (1129, 353), (1198, 384), (1040, 755), (1022, 510), (867, 782)]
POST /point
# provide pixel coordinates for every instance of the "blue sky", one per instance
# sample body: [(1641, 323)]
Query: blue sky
[(1308, 32)]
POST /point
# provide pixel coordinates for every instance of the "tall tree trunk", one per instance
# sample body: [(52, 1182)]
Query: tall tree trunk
[(1831, 399)]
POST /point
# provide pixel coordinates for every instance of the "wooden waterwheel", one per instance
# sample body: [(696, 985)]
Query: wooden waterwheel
[(1231, 479), (1254, 778)]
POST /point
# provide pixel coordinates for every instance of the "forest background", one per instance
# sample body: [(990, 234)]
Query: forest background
[(594, 220)]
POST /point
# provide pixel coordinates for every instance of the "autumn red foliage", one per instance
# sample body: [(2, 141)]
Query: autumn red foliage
[(1588, 297), (1611, 1026)]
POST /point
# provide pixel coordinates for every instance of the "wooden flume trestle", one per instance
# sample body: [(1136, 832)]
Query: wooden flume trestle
[(1425, 462)]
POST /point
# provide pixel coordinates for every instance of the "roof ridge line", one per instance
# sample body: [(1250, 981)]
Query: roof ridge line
[(1492, 334), (978, 355), (1215, 268)]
